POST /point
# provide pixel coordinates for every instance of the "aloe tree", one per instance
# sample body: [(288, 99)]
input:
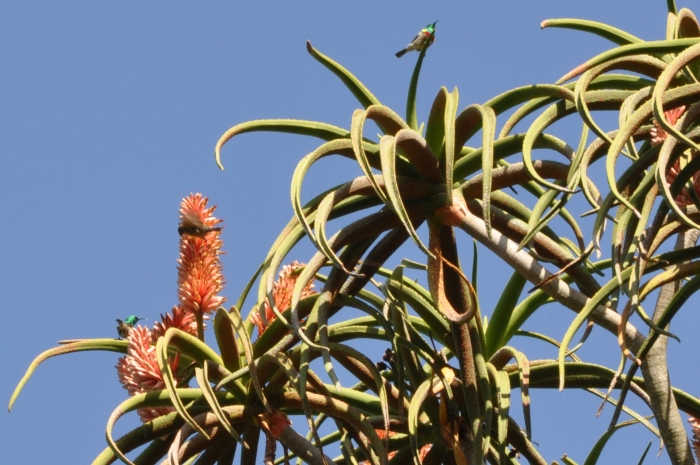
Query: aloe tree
[(442, 392)]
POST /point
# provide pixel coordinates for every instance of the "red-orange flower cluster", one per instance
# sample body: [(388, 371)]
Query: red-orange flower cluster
[(658, 135), (695, 425), (179, 318), (139, 371), (199, 282), (683, 198), (199, 276), (282, 295), (422, 452)]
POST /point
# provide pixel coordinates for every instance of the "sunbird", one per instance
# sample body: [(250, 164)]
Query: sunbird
[(419, 41), (193, 226), (124, 327)]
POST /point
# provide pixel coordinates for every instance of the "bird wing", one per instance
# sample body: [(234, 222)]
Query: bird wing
[(415, 38), (191, 219)]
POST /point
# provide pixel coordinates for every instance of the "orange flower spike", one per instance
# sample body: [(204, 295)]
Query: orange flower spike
[(390, 455), (695, 425), (282, 294), (683, 199), (139, 372), (658, 135), (196, 219), (179, 318), (199, 275)]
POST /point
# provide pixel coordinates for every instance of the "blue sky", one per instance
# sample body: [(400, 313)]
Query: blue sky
[(109, 112)]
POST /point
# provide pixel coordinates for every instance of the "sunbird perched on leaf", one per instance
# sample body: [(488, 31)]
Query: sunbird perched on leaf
[(419, 41), (124, 327)]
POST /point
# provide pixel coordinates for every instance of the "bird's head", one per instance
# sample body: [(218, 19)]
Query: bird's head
[(132, 320), (431, 27)]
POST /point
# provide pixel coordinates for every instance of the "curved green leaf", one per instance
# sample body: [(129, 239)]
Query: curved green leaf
[(414, 410), (450, 127), (202, 376), (361, 93), (329, 148), (356, 129), (322, 131), (502, 312), (322, 214), (237, 322), (463, 126), (605, 31), (169, 377), (655, 48), (594, 454), (226, 340), (601, 100), (387, 151), (360, 358), (591, 305), (435, 129), (111, 345), (419, 153)]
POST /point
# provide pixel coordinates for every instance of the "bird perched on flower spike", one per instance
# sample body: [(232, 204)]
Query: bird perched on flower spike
[(425, 34), (124, 327), (192, 225)]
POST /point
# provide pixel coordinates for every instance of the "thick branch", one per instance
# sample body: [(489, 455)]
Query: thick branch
[(657, 379), (531, 269)]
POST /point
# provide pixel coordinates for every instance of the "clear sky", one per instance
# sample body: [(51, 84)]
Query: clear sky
[(109, 112)]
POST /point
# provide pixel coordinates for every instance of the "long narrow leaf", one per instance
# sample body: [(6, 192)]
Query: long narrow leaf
[(111, 345), (656, 48), (610, 33), (322, 131), (361, 93), (387, 150)]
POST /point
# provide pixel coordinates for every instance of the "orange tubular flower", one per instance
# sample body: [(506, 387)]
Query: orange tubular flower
[(180, 319), (139, 371), (199, 282), (658, 135), (683, 199), (199, 276), (695, 425), (282, 294), (422, 452)]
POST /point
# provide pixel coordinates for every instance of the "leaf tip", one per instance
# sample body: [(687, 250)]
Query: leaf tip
[(544, 24), (217, 156), (572, 74)]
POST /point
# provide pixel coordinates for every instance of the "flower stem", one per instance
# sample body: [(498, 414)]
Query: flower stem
[(200, 325)]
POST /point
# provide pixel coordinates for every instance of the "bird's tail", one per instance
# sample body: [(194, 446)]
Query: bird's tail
[(401, 53)]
